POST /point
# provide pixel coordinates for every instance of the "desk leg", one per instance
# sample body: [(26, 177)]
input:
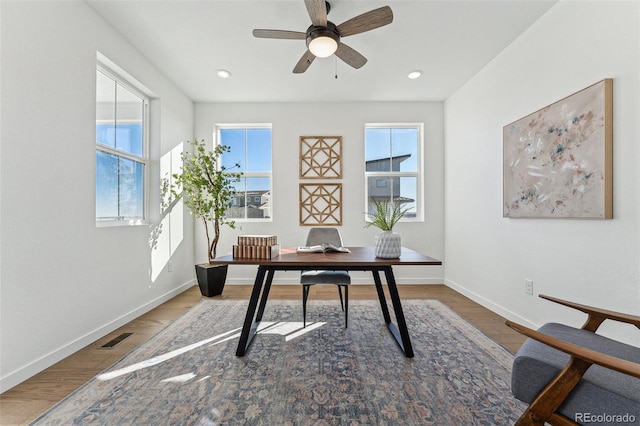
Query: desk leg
[(265, 294), (383, 300), (397, 307), (249, 327)]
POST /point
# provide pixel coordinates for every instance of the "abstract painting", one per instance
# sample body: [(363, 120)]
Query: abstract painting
[(558, 161), (320, 204), (320, 157)]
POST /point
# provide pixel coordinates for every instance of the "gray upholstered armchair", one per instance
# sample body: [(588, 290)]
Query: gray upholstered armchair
[(318, 236), (572, 375)]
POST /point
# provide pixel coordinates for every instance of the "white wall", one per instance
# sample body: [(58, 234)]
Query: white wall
[(594, 262), (292, 120), (65, 282)]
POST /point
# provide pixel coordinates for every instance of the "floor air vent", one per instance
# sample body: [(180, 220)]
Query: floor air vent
[(117, 340)]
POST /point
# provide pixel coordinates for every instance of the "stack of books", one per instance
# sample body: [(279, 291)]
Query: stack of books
[(256, 247)]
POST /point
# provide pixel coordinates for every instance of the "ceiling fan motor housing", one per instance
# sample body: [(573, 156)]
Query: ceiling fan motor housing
[(330, 31)]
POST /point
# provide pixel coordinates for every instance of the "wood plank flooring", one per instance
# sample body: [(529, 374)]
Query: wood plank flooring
[(26, 401)]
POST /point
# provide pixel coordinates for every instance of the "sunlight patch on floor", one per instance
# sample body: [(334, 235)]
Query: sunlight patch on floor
[(164, 357), (179, 379), (289, 329)]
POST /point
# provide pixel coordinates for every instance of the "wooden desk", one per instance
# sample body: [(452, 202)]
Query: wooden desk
[(360, 259)]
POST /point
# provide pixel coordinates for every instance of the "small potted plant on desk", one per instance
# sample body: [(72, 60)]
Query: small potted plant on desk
[(207, 189), (385, 216)]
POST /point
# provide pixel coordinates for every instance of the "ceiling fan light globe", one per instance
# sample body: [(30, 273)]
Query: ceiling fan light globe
[(323, 46)]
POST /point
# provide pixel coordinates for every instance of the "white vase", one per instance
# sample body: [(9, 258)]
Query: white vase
[(388, 245)]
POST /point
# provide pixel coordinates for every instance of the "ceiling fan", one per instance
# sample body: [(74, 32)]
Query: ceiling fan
[(323, 37)]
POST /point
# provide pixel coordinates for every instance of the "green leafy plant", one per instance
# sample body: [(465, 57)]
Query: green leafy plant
[(386, 214), (207, 189)]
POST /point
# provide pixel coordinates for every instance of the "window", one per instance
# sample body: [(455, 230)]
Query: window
[(250, 146), (393, 166), (121, 149)]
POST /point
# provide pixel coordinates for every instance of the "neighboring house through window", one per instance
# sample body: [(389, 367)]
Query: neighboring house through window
[(394, 167), (250, 146), (121, 149)]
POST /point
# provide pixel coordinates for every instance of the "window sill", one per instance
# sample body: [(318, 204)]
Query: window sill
[(120, 223)]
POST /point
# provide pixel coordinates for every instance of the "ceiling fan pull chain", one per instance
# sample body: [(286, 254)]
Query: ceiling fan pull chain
[(336, 58)]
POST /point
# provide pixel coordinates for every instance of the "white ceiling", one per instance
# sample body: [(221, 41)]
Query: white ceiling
[(188, 41)]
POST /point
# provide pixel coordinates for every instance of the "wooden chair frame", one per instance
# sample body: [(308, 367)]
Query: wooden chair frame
[(544, 407)]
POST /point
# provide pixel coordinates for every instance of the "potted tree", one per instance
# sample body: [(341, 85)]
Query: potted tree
[(207, 189), (384, 216)]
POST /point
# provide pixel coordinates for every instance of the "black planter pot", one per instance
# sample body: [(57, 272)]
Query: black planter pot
[(211, 279)]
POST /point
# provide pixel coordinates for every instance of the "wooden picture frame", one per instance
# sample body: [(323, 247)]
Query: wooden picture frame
[(320, 157), (558, 161), (320, 204)]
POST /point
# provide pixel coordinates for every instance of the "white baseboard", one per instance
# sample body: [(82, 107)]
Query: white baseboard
[(505, 313), (20, 375)]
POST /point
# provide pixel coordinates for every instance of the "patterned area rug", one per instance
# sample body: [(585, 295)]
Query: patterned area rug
[(320, 375)]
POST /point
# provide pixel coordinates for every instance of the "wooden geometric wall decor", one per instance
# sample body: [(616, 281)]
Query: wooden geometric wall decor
[(320, 157), (320, 204)]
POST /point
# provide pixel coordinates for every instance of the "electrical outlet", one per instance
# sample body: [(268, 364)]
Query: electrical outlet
[(528, 286)]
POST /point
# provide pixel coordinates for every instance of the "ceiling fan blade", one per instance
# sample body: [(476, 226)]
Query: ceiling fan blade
[(350, 56), (282, 34), (304, 62), (317, 12), (367, 21)]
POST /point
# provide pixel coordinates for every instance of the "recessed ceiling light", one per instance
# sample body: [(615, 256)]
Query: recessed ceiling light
[(414, 74), (223, 74)]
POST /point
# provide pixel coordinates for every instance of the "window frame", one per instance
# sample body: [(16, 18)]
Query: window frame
[(217, 139), (120, 77), (419, 174)]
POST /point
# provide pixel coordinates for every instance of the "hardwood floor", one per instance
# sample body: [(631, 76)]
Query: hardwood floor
[(26, 401)]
